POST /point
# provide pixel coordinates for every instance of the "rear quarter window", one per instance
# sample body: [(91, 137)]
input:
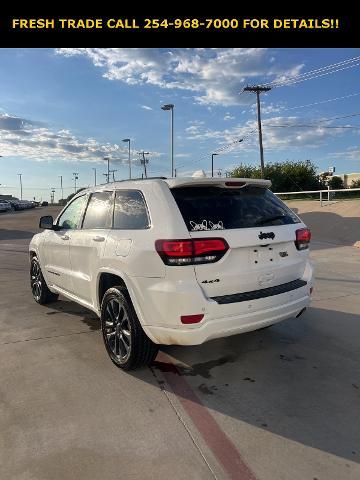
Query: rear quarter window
[(130, 211), (217, 208)]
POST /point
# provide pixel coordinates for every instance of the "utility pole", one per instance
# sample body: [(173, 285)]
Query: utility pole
[(61, 186), (75, 178), (52, 195), (127, 140), (144, 161), (20, 177), (94, 175), (259, 89), (113, 173), (170, 107), (212, 163), (108, 168)]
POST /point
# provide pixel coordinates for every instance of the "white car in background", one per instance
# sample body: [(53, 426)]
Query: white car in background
[(174, 261), (5, 206)]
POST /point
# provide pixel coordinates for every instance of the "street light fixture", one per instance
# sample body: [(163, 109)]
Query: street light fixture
[(127, 140), (170, 106)]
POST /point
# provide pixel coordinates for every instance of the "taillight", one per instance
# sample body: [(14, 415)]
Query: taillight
[(303, 236), (191, 251)]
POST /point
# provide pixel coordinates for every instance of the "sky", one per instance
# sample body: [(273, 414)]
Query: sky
[(63, 110)]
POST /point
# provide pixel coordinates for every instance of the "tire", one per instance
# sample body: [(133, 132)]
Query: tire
[(125, 341), (40, 290)]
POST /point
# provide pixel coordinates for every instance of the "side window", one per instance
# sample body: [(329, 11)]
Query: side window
[(99, 211), (130, 210), (71, 217)]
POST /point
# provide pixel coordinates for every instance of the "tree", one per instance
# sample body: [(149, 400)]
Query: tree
[(285, 176), (355, 184), (336, 183)]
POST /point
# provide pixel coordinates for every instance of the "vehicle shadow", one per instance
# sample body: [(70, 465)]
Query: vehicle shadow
[(6, 234), (71, 308), (331, 230), (298, 379), (292, 379)]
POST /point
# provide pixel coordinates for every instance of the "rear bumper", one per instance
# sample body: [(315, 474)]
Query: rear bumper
[(225, 326), (161, 304)]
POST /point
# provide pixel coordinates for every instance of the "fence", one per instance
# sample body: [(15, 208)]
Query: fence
[(329, 195)]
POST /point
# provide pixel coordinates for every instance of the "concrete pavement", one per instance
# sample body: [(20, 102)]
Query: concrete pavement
[(284, 401)]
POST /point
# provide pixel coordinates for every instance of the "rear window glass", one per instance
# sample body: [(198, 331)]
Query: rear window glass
[(216, 208)]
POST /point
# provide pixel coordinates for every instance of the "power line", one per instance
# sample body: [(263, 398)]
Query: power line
[(322, 126), (324, 120), (316, 76), (222, 149), (319, 72), (321, 102)]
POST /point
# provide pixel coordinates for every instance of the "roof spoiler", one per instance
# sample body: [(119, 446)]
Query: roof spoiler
[(217, 182)]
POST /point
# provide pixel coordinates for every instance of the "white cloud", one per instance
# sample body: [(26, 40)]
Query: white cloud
[(25, 138), (267, 108), (351, 153), (214, 76), (279, 133), (228, 117), (145, 107)]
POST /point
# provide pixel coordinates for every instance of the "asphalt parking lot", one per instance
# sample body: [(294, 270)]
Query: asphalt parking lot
[(281, 403)]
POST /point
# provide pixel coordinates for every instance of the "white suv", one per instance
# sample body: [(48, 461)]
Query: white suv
[(174, 261)]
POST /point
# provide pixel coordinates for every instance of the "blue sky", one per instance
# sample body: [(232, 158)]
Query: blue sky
[(62, 111)]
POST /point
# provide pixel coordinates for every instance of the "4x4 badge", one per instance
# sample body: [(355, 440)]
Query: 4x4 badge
[(267, 235)]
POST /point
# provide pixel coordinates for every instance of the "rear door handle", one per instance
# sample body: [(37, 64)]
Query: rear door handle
[(98, 238), (65, 237)]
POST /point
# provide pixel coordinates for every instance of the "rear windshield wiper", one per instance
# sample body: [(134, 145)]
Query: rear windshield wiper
[(262, 221)]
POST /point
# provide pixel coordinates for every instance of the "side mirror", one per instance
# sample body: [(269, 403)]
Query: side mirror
[(47, 222)]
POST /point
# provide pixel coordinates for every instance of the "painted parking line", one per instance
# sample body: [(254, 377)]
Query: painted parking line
[(222, 447)]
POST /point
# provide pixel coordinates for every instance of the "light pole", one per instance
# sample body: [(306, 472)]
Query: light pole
[(75, 178), (212, 163), (94, 175), (108, 168), (61, 186), (52, 195), (20, 177), (127, 140), (170, 107)]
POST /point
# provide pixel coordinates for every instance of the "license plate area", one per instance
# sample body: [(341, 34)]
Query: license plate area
[(263, 256)]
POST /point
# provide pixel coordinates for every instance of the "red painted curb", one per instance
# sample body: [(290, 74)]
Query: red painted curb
[(222, 447)]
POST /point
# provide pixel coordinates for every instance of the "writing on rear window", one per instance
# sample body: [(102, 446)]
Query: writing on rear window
[(206, 225), (218, 208)]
